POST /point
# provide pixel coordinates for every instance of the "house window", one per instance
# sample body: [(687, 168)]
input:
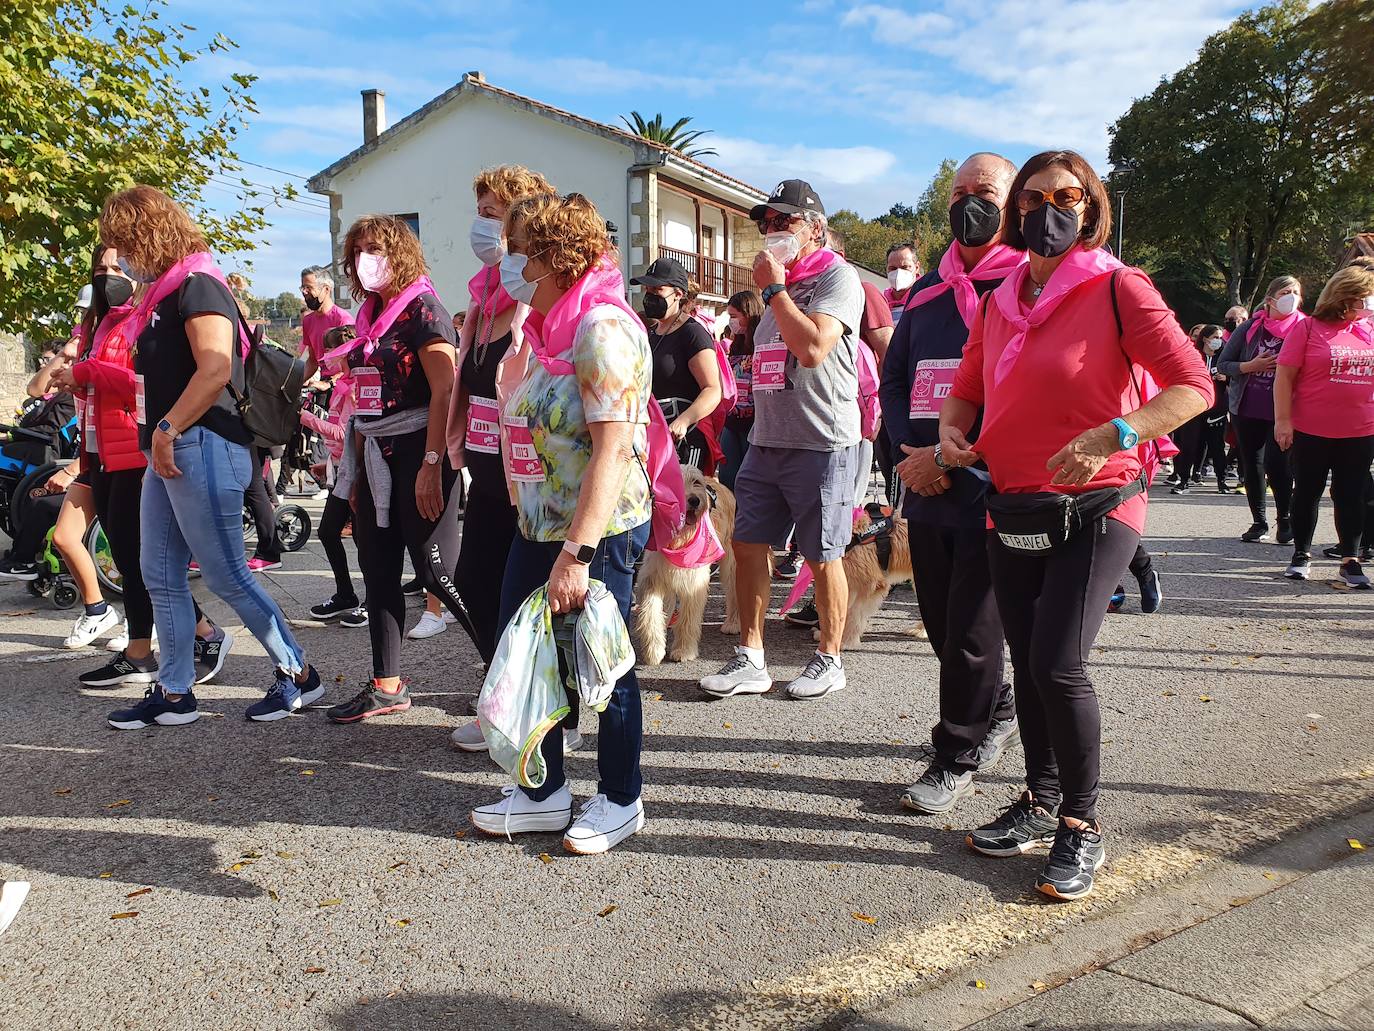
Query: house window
[(412, 220)]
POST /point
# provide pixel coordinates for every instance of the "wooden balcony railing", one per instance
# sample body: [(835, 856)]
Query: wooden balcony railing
[(717, 277)]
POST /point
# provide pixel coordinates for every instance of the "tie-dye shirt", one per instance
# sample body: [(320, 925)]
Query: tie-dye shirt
[(610, 354)]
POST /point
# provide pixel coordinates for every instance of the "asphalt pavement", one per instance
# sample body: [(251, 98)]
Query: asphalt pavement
[(304, 875)]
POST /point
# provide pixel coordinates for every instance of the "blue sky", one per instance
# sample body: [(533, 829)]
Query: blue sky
[(863, 99)]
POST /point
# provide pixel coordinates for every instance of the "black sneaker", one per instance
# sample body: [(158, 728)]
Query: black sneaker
[(1332, 552), (1077, 854), (156, 710), (1151, 593), (1172, 480), (210, 655), (1001, 735), (1285, 535), (938, 789), (1227, 488), (787, 567), (1353, 576), (20, 571), (1367, 554), (806, 616), (1300, 567), (1258, 532), (1182, 488), (371, 702), (122, 670), (411, 588), (333, 608), (355, 619), (1023, 826)]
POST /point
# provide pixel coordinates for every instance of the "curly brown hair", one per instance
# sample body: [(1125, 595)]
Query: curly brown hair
[(150, 229), (567, 234), (508, 183), (398, 242)]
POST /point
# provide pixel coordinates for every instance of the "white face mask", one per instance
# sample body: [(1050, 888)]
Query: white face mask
[(737, 326), (1213, 345), (900, 279), (486, 239), (1287, 304), (374, 271), (783, 246), (133, 272), (513, 278), (1368, 312)]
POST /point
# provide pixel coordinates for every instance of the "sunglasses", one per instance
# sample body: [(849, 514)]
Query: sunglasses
[(776, 224), (1064, 197)]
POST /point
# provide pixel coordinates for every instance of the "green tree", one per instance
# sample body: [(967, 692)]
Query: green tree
[(931, 231), (867, 241), (675, 137), (92, 100), (1258, 157), (286, 305)]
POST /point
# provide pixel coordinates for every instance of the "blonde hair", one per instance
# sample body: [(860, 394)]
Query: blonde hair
[(398, 242), (508, 183), (567, 233), (150, 229), (1352, 283)]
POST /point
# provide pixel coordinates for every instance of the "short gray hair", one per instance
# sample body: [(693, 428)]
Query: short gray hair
[(322, 275), (819, 221)]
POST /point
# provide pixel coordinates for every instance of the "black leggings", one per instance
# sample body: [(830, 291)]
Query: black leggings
[(1346, 461), (1261, 459), (117, 497), (1052, 606), (433, 547), (489, 527), (332, 521), (1203, 440), (264, 514)]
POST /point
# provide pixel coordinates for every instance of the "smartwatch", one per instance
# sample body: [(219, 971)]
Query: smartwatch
[(166, 427), (1125, 435), (772, 290), (582, 553), (431, 458)]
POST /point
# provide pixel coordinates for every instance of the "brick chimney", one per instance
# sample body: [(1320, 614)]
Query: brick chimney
[(374, 114)]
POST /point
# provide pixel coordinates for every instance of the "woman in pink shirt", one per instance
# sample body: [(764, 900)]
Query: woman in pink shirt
[(1054, 359), (1324, 412)]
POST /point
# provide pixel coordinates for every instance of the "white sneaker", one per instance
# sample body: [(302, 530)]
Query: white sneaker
[(320, 495), (601, 825), (517, 813), (449, 618), (572, 741), (430, 625), (468, 738), (88, 628), (12, 896), (738, 676), (120, 640), (822, 675)]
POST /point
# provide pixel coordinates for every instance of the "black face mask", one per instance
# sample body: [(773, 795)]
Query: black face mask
[(115, 289), (1050, 231), (975, 221), (655, 306), (1230, 325), (313, 303)]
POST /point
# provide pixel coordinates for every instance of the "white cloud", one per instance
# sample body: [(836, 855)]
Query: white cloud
[(898, 26)]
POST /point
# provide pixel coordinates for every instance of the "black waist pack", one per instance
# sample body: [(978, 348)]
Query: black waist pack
[(1041, 522)]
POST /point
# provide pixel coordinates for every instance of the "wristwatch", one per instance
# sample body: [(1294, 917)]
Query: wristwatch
[(431, 458), (939, 457), (166, 427), (772, 290), (581, 553), (1126, 436)]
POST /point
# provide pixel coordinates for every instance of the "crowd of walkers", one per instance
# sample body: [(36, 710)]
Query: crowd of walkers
[(1020, 398)]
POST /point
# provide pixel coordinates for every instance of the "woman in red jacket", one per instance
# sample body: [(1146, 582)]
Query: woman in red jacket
[(1054, 360)]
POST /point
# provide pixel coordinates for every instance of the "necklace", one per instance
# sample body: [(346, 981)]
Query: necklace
[(1039, 287), (484, 337)]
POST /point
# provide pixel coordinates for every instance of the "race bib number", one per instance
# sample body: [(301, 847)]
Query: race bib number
[(484, 426), (770, 365), (525, 464), (367, 390), (140, 401), (932, 383)]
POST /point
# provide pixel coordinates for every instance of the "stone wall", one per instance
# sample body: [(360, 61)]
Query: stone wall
[(15, 369)]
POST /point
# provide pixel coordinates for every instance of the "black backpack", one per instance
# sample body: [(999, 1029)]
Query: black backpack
[(269, 400)]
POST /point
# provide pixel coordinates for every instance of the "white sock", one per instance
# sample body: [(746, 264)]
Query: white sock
[(835, 657), (754, 655)]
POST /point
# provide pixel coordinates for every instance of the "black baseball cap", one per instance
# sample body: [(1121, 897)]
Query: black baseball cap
[(791, 197), (663, 272)]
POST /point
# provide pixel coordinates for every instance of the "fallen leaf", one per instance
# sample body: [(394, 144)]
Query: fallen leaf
[(864, 918), (1039, 986), (980, 986), (329, 902), (364, 1001), (273, 895), (1269, 876), (136, 894), (307, 773), (63, 791), (401, 923), (124, 916), (339, 678), (1204, 698), (240, 866), (397, 866), (286, 855), (544, 857), (658, 698), (106, 875), (119, 804), (1168, 694), (1313, 726), (251, 855), (212, 798), (608, 910), (728, 726), (314, 970), (460, 834), (1355, 844)]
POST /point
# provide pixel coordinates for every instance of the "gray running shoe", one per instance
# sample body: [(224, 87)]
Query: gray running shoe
[(1300, 568), (1353, 576), (1001, 735), (738, 676), (936, 791), (822, 675)]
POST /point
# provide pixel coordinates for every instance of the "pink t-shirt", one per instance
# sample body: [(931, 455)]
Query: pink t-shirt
[(1334, 392), (315, 324)]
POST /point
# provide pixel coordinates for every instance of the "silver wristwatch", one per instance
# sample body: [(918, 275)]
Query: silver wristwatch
[(939, 457)]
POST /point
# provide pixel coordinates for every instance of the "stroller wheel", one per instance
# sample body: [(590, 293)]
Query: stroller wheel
[(64, 596), (293, 527)]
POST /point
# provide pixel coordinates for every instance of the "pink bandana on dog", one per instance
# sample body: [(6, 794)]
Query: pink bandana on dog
[(703, 549)]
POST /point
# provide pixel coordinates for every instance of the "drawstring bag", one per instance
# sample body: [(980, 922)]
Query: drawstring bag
[(596, 647)]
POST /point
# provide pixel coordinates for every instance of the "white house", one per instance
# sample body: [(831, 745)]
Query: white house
[(657, 201)]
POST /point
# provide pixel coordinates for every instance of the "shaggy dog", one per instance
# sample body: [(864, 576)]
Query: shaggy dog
[(663, 587), (869, 583)]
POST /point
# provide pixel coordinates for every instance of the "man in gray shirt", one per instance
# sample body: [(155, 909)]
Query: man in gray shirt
[(804, 447)]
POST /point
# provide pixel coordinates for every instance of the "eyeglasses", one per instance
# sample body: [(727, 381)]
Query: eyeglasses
[(1064, 197), (776, 224)]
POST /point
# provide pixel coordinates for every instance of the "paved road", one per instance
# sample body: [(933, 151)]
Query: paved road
[(305, 875)]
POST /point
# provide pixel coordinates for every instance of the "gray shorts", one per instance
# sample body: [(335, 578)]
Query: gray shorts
[(776, 487)]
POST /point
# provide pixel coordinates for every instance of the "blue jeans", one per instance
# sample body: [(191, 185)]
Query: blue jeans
[(199, 515), (735, 445), (620, 733)]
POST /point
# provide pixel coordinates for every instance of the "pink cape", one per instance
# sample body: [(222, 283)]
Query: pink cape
[(1277, 328), (998, 263), (488, 294), (197, 262), (555, 332), (1079, 266), (812, 265), (371, 331)]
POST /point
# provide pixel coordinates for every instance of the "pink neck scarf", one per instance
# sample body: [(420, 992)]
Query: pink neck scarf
[(998, 263), (554, 333), (812, 265), (488, 294), (1078, 267), (703, 549), (198, 262), (1276, 328), (370, 331)]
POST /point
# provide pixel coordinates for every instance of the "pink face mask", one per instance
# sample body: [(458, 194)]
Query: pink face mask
[(374, 271)]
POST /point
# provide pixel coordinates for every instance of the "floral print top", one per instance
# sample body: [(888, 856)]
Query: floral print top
[(547, 440)]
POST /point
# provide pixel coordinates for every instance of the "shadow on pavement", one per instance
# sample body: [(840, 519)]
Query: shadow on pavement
[(471, 1012)]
